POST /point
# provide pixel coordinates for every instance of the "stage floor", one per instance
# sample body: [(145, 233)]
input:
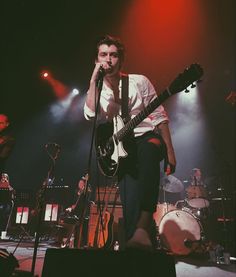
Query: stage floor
[(185, 266)]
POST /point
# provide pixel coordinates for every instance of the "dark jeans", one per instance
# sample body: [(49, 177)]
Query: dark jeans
[(139, 178)]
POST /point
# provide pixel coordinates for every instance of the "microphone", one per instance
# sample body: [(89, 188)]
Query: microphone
[(101, 73)]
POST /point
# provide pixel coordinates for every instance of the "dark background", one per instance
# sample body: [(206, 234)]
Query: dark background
[(162, 38)]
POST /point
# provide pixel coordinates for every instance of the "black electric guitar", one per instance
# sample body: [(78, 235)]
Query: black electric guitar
[(109, 136)]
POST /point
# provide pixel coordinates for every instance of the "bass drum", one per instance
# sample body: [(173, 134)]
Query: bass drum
[(177, 227), (161, 210)]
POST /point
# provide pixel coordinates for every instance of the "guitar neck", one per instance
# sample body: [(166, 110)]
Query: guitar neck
[(131, 124)]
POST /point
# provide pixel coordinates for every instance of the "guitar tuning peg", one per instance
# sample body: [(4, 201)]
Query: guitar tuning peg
[(193, 86), (186, 91)]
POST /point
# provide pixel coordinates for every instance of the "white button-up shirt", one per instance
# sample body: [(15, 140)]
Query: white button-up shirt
[(141, 93)]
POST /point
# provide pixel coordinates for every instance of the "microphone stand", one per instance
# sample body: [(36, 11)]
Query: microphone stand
[(41, 202), (99, 84)]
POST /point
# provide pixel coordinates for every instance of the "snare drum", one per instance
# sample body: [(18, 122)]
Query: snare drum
[(161, 210), (197, 197), (177, 227)]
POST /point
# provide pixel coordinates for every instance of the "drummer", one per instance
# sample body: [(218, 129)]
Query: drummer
[(197, 195), (196, 177)]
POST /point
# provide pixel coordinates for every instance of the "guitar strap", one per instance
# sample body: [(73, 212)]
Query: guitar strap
[(124, 96)]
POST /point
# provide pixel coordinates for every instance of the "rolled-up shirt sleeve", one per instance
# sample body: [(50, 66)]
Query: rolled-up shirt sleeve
[(88, 113), (141, 94), (149, 94)]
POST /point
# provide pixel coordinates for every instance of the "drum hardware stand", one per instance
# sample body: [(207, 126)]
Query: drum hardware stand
[(159, 245), (188, 243), (41, 198), (164, 195), (225, 231)]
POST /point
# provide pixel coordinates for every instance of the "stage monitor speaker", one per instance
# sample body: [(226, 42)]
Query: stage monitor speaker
[(116, 227), (104, 263), (8, 263)]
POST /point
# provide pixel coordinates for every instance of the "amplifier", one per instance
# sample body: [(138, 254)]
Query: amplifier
[(6, 195), (85, 263), (109, 195), (113, 230)]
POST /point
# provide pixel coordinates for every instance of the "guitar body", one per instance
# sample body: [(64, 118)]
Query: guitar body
[(110, 226), (98, 236), (103, 232), (109, 149)]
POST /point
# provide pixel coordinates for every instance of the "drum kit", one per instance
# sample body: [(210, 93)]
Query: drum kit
[(179, 226)]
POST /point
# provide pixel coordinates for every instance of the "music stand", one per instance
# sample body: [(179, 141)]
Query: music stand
[(23, 203), (22, 218), (51, 212)]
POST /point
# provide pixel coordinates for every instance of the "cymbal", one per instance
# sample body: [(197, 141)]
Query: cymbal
[(220, 198), (171, 184)]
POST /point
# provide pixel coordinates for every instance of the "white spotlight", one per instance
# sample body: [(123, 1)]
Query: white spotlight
[(75, 92)]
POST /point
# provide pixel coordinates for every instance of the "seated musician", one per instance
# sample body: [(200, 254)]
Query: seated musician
[(75, 208), (196, 177), (71, 216), (6, 201), (7, 142)]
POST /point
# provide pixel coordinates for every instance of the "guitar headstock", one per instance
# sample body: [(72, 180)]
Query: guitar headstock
[(191, 74)]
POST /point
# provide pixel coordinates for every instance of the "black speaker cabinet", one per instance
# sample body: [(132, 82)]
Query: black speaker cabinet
[(104, 263)]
